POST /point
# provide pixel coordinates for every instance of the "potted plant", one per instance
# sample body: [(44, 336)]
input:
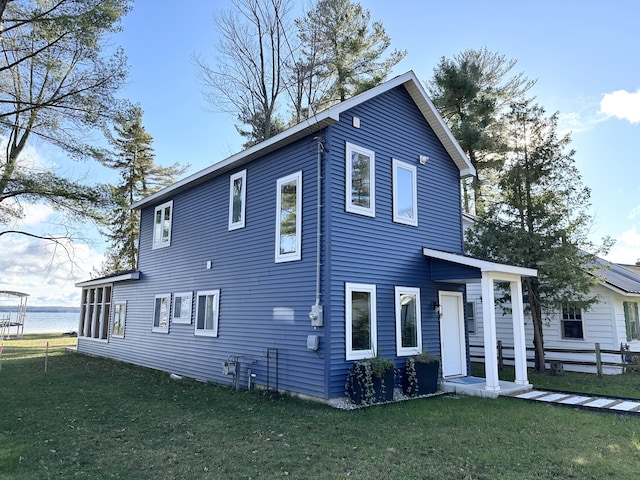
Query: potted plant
[(421, 374), (371, 381)]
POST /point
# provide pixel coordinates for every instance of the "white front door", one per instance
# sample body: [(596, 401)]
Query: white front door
[(452, 335)]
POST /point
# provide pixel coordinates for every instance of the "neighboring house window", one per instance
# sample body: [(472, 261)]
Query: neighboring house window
[(360, 181), (94, 312), (119, 314), (360, 321), (405, 193), (237, 196), (408, 321), (470, 317), (182, 308), (162, 225), (572, 323), (161, 314), (207, 310), (289, 218), (631, 320)]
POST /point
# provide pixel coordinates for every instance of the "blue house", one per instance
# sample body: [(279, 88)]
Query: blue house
[(336, 240)]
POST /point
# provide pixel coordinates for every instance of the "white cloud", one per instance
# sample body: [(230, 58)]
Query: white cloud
[(622, 104), (46, 272), (627, 247)]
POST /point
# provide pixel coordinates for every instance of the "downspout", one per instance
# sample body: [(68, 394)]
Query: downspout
[(316, 310)]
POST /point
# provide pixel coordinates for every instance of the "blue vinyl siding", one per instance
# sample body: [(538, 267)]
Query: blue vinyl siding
[(377, 250), (262, 304)]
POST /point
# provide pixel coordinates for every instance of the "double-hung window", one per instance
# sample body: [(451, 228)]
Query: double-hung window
[(572, 323), (237, 198), (360, 180), (207, 312), (289, 218), (405, 193), (408, 321), (631, 320), (161, 313), (162, 225), (182, 307), (119, 314), (360, 321)]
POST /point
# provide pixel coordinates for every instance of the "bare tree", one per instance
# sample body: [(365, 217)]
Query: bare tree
[(247, 76)]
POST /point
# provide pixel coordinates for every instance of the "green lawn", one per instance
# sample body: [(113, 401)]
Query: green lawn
[(94, 418)]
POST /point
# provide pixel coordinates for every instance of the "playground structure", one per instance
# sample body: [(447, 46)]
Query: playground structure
[(13, 310)]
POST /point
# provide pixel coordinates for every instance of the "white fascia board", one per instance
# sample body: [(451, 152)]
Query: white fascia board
[(485, 266), (304, 128), (106, 280)]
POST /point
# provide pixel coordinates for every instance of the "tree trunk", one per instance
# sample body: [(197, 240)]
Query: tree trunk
[(536, 315)]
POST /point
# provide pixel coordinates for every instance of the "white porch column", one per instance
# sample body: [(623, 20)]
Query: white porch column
[(519, 343), (489, 326)]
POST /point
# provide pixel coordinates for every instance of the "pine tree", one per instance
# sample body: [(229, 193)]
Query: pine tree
[(541, 219), (139, 177), (472, 92)]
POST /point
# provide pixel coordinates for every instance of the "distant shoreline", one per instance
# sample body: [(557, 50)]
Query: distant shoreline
[(54, 309)]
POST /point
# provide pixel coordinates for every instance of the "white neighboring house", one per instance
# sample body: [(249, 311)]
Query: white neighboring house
[(612, 322)]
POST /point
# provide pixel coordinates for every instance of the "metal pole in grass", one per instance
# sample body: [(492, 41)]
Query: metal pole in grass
[(1, 349), (46, 358)]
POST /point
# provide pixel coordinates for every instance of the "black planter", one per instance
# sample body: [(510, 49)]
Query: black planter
[(426, 377), (358, 390)]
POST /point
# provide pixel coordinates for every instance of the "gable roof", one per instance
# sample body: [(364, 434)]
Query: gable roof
[(319, 121), (618, 278)]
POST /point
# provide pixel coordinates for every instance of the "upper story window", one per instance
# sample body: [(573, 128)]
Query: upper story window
[(237, 196), (162, 225), (572, 323), (408, 321), (360, 181), (289, 218), (360, 321), (405, 193)]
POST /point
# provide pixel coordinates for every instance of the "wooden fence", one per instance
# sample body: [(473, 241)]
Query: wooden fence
[(627, 359)]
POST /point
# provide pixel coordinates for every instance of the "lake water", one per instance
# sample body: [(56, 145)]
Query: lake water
[(50, 322)]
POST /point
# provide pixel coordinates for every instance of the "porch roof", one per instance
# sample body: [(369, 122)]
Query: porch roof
[(116, 277), (465, 269)]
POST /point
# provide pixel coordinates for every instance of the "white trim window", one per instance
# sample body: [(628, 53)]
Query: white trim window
[(405, 193), (207, 312), (289, 218), (182, 307), (237, 198), (95, 311), (408, 321), (119, 316), (571, 323), (162, 225), (360, 180), (161, 313), (470, 317), (360, 321)]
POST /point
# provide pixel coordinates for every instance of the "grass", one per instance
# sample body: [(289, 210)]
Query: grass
[(91, 418)]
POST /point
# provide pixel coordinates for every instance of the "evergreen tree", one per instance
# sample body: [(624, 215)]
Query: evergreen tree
[(472, 92), (540, 220), (343, 50), (139, 177)]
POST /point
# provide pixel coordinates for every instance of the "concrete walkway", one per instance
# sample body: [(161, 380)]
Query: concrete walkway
[(582, 400)]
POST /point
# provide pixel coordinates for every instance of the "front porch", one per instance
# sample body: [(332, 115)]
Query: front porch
[(449, 267)]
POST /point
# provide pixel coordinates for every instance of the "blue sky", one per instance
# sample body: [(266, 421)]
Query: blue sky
[(584, 56)]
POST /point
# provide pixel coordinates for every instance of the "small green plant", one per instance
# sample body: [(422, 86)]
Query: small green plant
[(366, 380), (426, 357)]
